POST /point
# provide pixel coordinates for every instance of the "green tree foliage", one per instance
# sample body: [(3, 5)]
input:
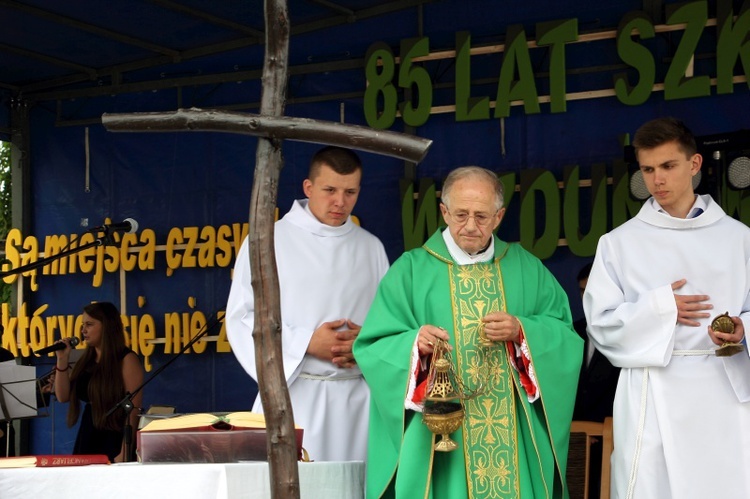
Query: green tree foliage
[(6, 220)]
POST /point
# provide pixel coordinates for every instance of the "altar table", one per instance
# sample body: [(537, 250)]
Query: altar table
[(318, 480)]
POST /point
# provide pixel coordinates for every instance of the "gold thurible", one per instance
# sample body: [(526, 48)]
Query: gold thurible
[(443, 412)]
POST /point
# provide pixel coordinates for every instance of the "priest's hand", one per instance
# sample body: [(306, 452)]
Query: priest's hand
[(689, 307), (428, 335), (720, 338), (501, 326)]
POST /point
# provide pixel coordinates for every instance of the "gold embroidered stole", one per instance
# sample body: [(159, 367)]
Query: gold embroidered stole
[(489, 428)]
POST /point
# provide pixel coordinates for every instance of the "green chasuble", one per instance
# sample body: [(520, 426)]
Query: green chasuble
[(508, 447)]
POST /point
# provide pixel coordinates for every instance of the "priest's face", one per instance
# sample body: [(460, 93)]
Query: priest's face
[(668, 174), (472, 216), (332, 196)]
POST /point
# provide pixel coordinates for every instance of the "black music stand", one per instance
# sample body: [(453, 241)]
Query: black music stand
[(18, 400)]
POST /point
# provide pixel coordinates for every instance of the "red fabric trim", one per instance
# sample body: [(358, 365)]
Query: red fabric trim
[(522, 363), (420, 391)]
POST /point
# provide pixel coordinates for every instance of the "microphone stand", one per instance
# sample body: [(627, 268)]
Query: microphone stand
[(102, 240), (127, 402)]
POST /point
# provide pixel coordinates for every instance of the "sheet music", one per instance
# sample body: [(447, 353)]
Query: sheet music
[(18, 390)]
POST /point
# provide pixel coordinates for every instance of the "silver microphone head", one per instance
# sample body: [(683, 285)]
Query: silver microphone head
[(133, 225)]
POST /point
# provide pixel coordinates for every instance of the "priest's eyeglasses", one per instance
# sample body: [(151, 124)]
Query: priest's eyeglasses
[(480, 219)]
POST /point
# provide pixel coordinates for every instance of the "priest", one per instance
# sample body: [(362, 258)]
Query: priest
[(506, 325)]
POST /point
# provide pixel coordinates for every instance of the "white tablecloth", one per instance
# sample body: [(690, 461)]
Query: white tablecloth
[(324, 480)]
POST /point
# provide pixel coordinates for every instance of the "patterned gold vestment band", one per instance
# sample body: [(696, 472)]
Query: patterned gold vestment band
[(489, 428)]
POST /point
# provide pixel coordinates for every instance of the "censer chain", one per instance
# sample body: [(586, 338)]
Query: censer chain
[(441, 351)]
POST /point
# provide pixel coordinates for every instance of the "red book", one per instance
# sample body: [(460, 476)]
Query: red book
[(53, 460)]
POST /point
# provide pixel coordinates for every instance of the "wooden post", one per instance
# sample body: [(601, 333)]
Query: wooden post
[(277, 406)]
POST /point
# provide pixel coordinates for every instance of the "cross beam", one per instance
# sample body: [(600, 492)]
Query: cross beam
[(385, 142)]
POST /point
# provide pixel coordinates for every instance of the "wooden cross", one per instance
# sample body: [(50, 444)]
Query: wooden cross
[(271, 128)]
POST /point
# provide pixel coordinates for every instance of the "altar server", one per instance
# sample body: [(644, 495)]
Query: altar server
[(329, 269), (682, 407)]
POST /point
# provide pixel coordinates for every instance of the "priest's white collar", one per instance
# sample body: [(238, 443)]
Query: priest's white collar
[(463, 258), (301, 216)]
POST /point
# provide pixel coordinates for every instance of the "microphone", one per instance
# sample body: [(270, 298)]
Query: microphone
[(57, 346), (128, 226)]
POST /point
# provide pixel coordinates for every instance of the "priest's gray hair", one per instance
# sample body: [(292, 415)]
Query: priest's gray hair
[(472, 172)]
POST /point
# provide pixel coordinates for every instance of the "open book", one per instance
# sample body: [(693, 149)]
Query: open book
[(207, 438), (205, 421)]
